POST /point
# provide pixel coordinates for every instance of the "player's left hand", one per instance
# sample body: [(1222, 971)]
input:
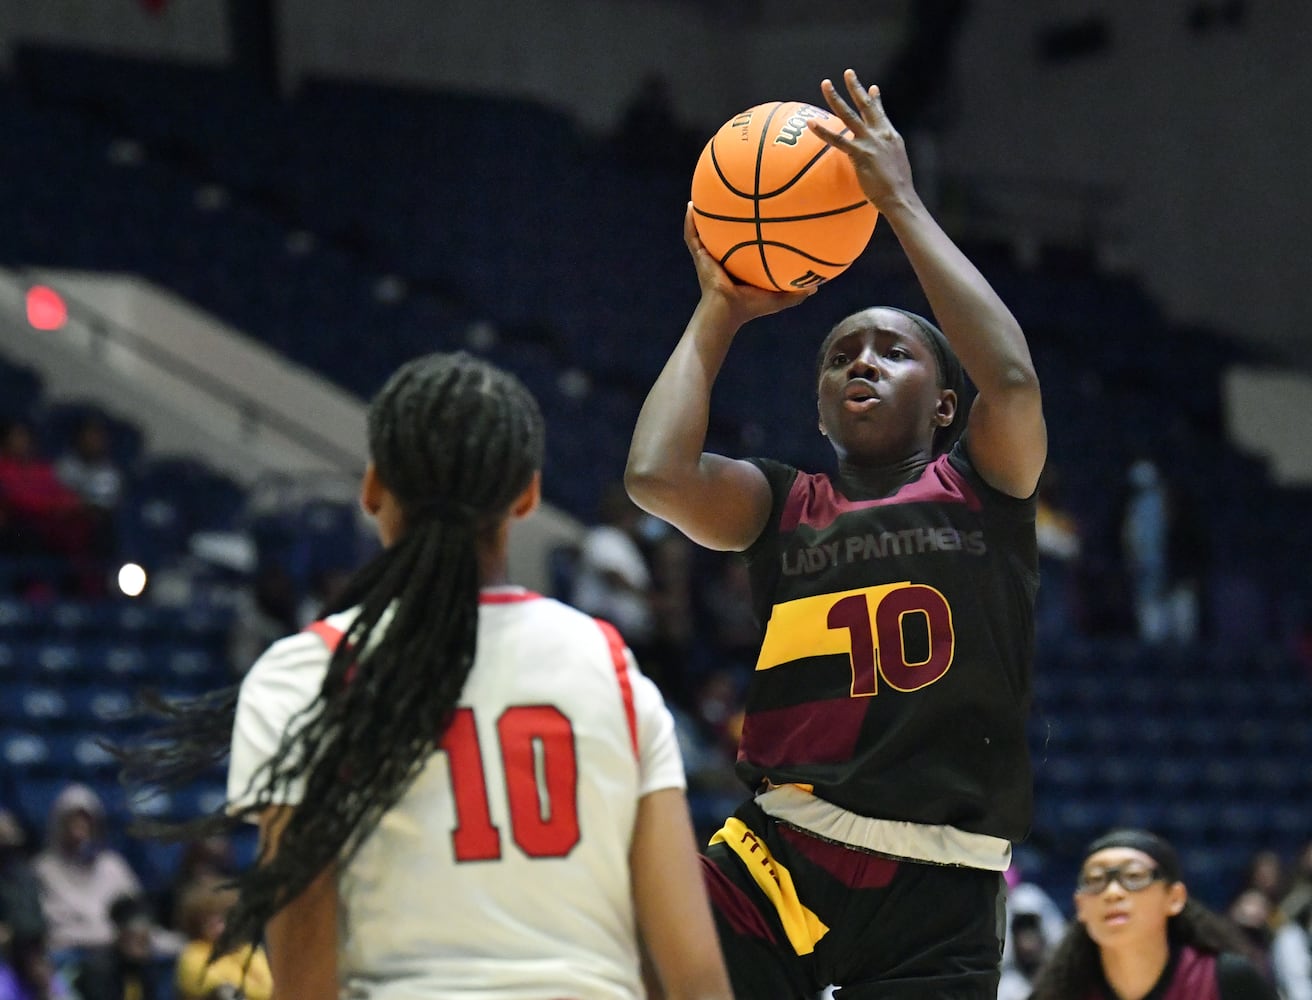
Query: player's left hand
[(875, 146)]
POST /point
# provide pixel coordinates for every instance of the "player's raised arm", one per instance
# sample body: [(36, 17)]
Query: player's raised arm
[(1007, 437), (718, 502)]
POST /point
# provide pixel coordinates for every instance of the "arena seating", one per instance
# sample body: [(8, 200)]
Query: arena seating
[(282, 217)]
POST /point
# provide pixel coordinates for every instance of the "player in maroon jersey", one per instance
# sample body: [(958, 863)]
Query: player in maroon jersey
[(884, 738), (1138, 934)]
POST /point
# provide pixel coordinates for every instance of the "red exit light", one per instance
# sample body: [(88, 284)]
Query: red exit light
[(45, 308)]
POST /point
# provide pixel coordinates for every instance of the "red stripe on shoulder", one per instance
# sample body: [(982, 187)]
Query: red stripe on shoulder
[(616, 643), (507, 596), (331, 635)]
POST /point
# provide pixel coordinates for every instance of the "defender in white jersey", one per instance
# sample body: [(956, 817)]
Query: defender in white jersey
[(464, 790), (527, 812)]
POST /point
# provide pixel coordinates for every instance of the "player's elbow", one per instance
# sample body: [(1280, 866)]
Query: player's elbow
[(1017, 381), (649, 485)]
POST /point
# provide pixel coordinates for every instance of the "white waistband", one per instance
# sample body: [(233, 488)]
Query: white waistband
[(939, 845)]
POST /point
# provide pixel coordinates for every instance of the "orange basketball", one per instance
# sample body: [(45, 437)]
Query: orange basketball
[(777, 206)]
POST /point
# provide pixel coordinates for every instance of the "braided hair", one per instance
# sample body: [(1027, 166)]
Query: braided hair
[(951, 374), (456, 441)]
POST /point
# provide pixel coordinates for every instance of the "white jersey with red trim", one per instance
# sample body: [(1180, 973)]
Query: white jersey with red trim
[(503, 873)]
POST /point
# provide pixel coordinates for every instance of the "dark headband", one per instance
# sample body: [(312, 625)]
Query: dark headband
[(949, 367), (1141, 840)]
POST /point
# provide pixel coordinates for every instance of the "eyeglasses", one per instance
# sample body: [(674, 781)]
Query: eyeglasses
[(1132, 878)]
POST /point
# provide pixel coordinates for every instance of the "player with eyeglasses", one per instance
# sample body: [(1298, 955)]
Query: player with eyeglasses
[(1137, 934), (1132, 877)]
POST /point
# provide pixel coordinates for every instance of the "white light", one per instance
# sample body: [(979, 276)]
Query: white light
[(131, 580)]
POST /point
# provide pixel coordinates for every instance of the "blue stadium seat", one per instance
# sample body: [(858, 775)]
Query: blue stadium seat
[(57, 662), (16, 617), (118, 663), (101, 707), (24, 751), (80, 755), (42, 708), (199, 799)]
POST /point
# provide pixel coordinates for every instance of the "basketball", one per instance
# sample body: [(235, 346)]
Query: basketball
[(776, 205)]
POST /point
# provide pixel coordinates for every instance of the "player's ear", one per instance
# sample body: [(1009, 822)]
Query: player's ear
[(527, 502), (1176, 896), (371, 490), (946, 410)]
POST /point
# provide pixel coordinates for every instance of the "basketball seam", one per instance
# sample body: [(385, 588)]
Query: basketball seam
[(720, 174), (762, 244), (798, 176), (781, 218), (756, 193)]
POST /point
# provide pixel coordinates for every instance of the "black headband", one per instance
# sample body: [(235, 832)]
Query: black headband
[(1141, 840), (949, 366)]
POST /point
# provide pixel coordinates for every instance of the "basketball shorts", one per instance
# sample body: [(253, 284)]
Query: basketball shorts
[(797, 913)]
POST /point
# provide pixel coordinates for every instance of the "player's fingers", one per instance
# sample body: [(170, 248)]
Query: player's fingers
[(877, 105), (839, 141), (690, 236), (867, 99), (839, 106)]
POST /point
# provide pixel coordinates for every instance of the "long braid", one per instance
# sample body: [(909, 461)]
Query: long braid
[(455, 441)]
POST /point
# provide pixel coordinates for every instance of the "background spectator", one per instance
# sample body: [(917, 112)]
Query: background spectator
[(1291, 953), (265, 611), (121, 970), (1252, 912), (612, 578), (88, 468), (80, 876), (208, 862), (1029, 950), (1266, 874), (1057, 606), (1166, 556), (1026, 899), (202, 912), (1299, 893), (20, 892), (42, 516), (30, 973)]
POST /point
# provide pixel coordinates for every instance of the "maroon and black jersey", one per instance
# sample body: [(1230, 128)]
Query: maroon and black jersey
[(894, 676), (1199, 975)]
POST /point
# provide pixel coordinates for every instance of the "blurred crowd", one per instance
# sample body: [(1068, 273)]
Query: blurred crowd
[(76, 922)]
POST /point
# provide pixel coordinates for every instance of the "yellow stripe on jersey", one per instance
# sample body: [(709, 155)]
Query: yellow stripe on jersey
[(802, 926), (801, 628)]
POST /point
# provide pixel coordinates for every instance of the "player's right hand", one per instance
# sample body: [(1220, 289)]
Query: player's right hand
[(744, 302)]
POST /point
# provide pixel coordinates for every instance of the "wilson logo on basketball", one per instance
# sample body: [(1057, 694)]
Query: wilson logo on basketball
[(793, 127)]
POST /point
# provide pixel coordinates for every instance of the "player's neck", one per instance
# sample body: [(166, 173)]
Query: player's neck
[(1133, 971), (494, 557), (870, 481)]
